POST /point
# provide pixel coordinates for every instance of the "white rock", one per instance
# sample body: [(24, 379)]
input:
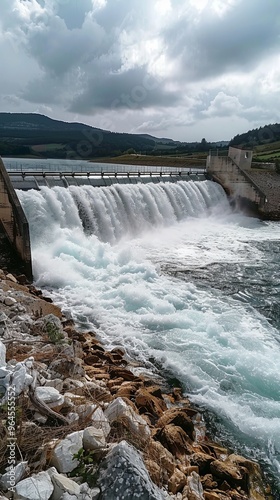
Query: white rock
[(56, 383), (96, 415), (72, 399), (118, 409), (72, 417), (11, 277), (194, 488), (2, 354), (29, 362), (93, 439), (10, 301), (21, 378), (5, 376), (13, 475), (62, 456), (87, 493), (35, 487), (63, 485), (50, 396)]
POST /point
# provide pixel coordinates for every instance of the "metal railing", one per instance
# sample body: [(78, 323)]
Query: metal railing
[(132, 173)]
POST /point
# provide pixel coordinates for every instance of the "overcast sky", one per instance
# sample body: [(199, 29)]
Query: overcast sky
[(183, 69)]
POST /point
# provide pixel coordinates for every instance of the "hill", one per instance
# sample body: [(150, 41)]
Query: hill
[(258, 136), (36, 135)]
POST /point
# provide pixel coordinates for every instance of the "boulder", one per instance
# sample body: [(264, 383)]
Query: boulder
[(62, 454), (123, 475), (203, 461), (252, 476), (175, 440), (177, 482), (180, 418), (63, 485), (208, 482), (21, 377), (11, 277), (155, 471), (147, 403), (9, 301), (117, 371), (226, 471), (14, 475), (18, 373), (50, 396), (94, 415), (56, 383), (157, 452), (119, 411), (126, 389), (93, 439), (194, 489), (87, 493), (34, 487)]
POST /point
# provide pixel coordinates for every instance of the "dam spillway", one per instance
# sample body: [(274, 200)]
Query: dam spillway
[(17, 180), (113, 212), (26, 180)]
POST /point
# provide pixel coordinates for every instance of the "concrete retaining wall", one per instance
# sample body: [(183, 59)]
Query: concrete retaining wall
[(13, 221), (236, 183)]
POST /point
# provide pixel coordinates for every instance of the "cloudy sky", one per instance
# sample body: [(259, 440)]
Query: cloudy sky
[(184, 69)]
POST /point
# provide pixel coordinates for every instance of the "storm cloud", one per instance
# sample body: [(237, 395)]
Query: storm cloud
[(184, 68)]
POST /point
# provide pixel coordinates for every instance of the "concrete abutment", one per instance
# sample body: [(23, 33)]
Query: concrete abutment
[(14, 222), (253, 190)]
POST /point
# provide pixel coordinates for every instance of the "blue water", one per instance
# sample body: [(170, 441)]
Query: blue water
[(172, 274)]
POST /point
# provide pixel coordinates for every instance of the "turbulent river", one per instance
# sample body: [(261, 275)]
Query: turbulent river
[(171, 273)]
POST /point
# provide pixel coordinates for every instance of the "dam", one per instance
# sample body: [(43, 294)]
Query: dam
[(256, 191), (13, 220)]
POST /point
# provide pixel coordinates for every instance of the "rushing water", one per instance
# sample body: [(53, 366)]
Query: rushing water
[(171, 273)]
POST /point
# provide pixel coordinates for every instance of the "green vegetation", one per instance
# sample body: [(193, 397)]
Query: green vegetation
[(86, 468), (54, 333), (258, 136), (37, 135), (190, 160)]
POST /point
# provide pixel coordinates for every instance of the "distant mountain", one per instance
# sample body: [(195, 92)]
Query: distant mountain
[(161, 140), (38, 135), (53, 138), (257, 136)]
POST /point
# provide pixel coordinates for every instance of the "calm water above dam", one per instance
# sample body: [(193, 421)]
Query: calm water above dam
[(171, 273)]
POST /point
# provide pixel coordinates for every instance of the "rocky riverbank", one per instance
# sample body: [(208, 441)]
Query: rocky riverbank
[(80, 422)]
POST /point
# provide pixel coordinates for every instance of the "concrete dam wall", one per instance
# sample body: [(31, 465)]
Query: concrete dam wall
[(13, 221)]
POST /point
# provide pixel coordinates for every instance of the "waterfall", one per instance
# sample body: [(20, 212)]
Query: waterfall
[(113, 212)]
